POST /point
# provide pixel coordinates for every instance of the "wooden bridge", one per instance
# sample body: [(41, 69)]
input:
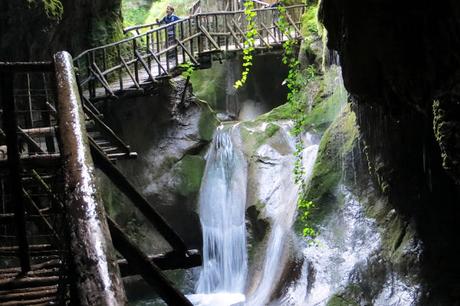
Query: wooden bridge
[(153, 52), (55, 238)]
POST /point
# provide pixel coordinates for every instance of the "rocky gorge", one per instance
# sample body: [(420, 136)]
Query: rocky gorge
[(358, 206)]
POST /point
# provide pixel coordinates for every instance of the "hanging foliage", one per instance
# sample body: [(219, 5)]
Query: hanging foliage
[(248, 45)]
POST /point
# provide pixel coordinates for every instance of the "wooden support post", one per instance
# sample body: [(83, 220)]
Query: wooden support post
[(97, 274), (146, 67), (209, 37), (140, 262), (190, 55), (10, 126)]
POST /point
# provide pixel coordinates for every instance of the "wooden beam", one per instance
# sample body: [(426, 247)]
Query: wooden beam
[(168, 261), (124, 185), (139, 57), (101, 79), (289, 18), (188, 53), (130, 73), (30, 141), (155, 57), (139, 261), (269, 32), (208, 36), (234, 36)]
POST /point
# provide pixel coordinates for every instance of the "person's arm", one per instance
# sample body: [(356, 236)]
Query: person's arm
[(163, 20)]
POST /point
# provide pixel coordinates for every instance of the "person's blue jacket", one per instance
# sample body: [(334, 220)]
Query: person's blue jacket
[(169, 19)]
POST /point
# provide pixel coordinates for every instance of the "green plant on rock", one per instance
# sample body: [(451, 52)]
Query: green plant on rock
[(187, 69), (248, 45), (305, 207), (295, 80)]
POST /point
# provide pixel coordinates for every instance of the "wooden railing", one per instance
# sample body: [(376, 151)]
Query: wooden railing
[(126, 65)]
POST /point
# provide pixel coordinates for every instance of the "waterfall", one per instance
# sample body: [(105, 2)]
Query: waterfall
[(222, 212), (281, 211)]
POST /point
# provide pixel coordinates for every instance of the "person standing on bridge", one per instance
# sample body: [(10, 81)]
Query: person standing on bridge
[(171, 30)]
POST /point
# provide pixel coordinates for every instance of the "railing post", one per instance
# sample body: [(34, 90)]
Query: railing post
[(97, 275), (10, 126)]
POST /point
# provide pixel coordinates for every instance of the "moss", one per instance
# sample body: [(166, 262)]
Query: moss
[(135, 12), (337, 141), (310, 21), (254, 135), (210, 84), (349, 296), (208, 121), (338, 300), (106, 28), (188, 172), (282, 112), (336, 144), (327, 96)]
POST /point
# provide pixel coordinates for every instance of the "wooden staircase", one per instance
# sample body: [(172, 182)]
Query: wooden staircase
[(47, 281)]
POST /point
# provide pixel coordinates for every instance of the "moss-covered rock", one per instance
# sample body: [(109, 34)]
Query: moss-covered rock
[(336, 144), (83, 24), (188, 173), (208, 121), (322, 99), (255, 134)]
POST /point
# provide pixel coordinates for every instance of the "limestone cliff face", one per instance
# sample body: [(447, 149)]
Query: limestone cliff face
[(401, 68), (27, 34)]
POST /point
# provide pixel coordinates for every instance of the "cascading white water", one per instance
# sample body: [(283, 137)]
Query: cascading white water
[(281, 210), (222, 212)]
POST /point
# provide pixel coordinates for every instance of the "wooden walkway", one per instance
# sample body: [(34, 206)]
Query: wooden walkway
[(153, 53)]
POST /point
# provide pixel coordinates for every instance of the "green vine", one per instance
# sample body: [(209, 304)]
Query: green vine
[(294, 82), (248, 45)]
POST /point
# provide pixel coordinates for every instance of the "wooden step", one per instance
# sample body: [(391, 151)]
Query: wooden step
[(53, 261), (28, 293), (35, 250), (26, 282), (35, 302)]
